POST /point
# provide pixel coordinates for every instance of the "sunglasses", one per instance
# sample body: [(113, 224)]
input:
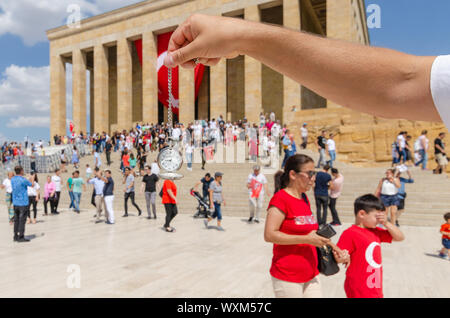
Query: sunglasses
[(310, 173)]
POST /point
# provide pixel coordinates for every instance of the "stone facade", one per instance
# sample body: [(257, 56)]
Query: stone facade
[(124, 92)]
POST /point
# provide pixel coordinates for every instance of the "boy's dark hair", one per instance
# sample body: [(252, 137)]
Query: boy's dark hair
[(326, 167), (368, 203), (97, 169), (447, 216), (18, 170), (57, 169), (77, 172), (334, 170), (208, 175)]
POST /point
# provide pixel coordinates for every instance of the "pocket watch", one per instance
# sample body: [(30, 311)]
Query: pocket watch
[(169, 158)]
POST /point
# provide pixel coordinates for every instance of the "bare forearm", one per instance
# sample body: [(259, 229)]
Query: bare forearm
[(281, 238), (396, 234), (379, 81)]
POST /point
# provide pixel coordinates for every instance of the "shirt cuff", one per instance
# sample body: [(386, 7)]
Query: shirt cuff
[(440, 87)]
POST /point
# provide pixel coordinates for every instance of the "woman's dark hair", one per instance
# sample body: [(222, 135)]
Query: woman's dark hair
[(295, 162), (368, 203), (35, 176), (447, 216), (334, 170)]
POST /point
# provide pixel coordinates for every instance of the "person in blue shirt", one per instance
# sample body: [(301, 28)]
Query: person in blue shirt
[(321, 186), (287, 147), (401, 194), (20, 201)]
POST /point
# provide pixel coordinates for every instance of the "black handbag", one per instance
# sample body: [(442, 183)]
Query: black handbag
[(161, 193), (327, 264)]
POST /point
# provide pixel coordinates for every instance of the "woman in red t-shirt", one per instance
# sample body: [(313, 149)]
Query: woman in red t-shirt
[(169, 199), (292, 228)]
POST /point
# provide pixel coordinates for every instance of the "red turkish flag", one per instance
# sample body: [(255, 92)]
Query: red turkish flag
[(71, 127), (163, 95)]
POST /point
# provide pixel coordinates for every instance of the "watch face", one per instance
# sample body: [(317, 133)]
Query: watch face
[(170, 160)]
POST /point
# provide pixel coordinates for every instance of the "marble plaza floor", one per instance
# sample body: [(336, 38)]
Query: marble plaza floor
[(136, 258)]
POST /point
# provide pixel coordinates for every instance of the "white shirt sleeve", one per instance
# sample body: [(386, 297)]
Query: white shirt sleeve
[(440, 87)]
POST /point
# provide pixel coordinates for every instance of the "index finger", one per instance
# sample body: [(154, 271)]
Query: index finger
[(180, 36)]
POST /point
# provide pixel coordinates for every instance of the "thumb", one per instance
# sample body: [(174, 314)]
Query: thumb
[(181, 56)]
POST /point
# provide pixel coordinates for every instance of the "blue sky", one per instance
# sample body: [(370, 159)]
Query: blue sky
[(418, 27)]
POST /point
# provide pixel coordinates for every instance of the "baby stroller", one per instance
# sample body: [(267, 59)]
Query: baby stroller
[(203, 207)]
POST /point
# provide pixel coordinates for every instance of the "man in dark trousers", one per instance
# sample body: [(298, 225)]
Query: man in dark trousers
[(108, 148), (321, 146), (20, 201), (206, 181), (321, 194), (439, 152), (149, 182)]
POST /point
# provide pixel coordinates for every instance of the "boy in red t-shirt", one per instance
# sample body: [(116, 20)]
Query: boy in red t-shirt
[(445, 231), (364, 276)]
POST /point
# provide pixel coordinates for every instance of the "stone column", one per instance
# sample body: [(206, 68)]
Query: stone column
[(149, 78), (124, 85), (92, 118), (101, 89), (218, 90), (339, 18), (291, 89), (57, 95), (79, 90), (253, 92), (186, 93)]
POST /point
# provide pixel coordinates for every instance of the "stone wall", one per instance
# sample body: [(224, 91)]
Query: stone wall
[(363, 139)]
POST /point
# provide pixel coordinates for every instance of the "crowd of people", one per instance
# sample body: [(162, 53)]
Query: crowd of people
[(406, 152), (289, 220)]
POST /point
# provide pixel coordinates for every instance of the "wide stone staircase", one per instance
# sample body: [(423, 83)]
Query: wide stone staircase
[(428, 198)]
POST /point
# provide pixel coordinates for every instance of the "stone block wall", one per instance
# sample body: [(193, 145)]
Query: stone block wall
[(360, 138)]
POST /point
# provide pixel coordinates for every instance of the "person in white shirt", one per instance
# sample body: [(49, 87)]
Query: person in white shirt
[(8, 188), (257, 186), (155, 168), (176, 133), (33, 198), (401, 142), (275, 130), (212, 124), (197, 133), (97, 160), (422, 149), (188, 150), (304, 134), (336, 186), (99, 185), (331, 147), (56, 179), (403, 86)]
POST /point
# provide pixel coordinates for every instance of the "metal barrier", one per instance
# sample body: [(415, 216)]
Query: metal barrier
[(47, 163)]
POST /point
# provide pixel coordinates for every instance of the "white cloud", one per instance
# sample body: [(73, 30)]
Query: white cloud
[(24, 90), (29, 121), (29, 19), (3, 138)]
